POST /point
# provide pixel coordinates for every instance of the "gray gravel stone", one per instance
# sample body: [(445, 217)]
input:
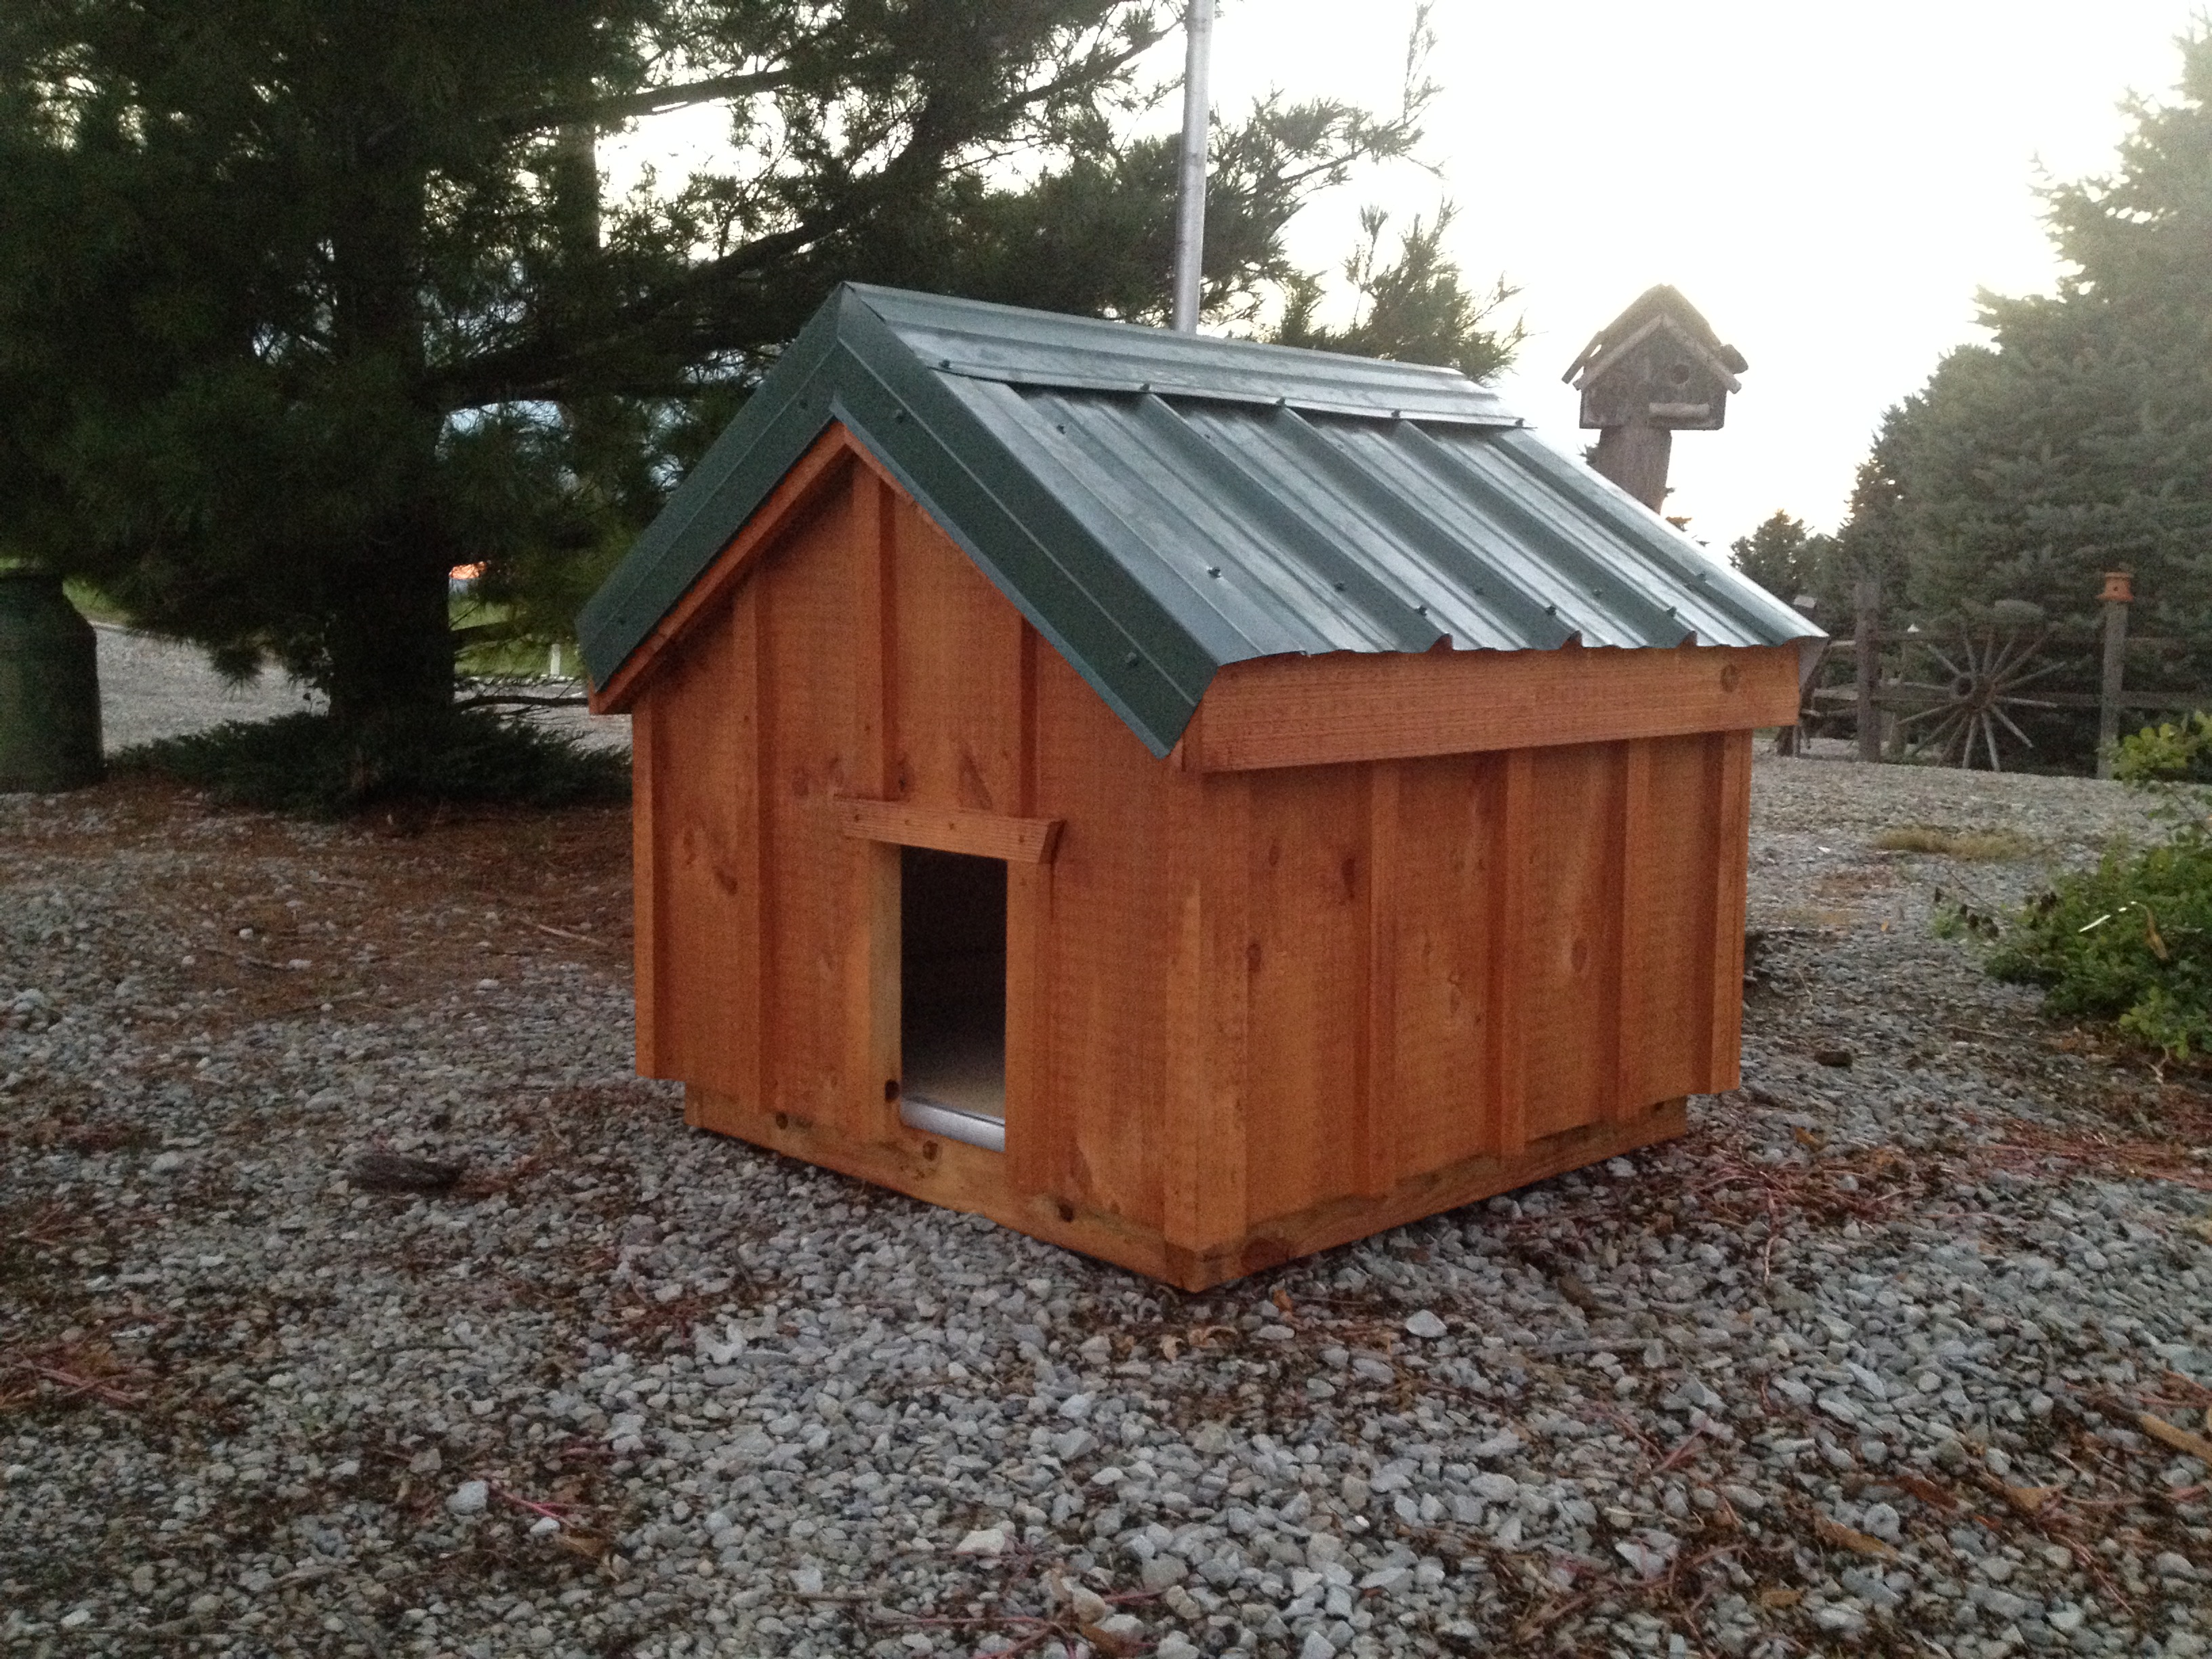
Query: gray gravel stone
[(759, 1409), (469, 1498)]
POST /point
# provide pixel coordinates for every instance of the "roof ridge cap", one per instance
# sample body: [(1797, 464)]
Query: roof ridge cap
[(1154, 334)]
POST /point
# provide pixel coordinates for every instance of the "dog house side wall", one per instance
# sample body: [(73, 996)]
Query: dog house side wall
[(1408, 984)]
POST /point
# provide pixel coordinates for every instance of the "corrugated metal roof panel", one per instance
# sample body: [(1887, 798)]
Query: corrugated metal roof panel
[(1160, 505), (982, 341)]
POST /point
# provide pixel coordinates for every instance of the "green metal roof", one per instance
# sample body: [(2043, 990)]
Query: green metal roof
[(1159, 504)]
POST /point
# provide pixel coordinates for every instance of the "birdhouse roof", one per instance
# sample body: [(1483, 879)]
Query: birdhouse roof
[(1653, 310), (1159, 504)]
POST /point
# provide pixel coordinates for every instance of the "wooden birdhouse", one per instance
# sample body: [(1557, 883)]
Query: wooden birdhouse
[(1656, 370), (1193, 801)]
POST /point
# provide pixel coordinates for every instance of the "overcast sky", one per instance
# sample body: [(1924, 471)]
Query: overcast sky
[(1830, 185)]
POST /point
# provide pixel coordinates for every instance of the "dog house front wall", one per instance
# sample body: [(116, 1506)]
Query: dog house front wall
[(1254, 1006)]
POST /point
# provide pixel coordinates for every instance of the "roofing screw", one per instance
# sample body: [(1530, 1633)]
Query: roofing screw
[(1420, 611), (1214, 570), (1551, 611), (1340, 587), (944, 363), (1129, 661)]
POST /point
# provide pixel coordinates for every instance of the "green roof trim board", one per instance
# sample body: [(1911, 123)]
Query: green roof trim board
[(1159, 504)]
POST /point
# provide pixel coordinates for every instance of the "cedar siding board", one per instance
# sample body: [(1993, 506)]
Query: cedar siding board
[(1268, 995)]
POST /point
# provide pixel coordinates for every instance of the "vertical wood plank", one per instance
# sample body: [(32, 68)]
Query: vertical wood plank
[(1511, 961), (1571, 936), (1026, 704), (957, 680), (1670, 1026), (645, 892), (1097, 1120), (1731, 860), (1225, 1174), (873, 552), (1382, 1119), (805, 761), (1029, 1025), (1184, 1019), (873, 1069), (1308, 854), (873, 1072), (1029, 964), (1632, 960), (1446, 941), (1205, 1013), (750, 947), (698, 852)]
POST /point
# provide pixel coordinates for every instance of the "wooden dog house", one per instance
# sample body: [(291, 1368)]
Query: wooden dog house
[(1193, 801)]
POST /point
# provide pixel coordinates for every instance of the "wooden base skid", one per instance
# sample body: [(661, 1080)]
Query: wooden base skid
[(968, 1179)]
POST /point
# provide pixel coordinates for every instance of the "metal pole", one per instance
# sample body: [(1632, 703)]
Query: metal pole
[(2118, 594), (1190, 205)]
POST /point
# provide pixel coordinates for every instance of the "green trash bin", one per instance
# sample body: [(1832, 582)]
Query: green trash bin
[(49, 686)]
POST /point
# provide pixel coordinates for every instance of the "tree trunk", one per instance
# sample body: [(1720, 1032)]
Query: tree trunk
[(390, 647), (388, 635)]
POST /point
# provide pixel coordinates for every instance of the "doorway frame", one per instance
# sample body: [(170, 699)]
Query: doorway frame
[(878, 831)]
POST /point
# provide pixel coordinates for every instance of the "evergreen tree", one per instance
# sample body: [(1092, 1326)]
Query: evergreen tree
[(1416, 308), (1790, 562), (303, 302), (2080, 440)]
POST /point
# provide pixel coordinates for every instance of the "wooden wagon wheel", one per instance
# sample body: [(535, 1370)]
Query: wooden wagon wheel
[(1992, 666)]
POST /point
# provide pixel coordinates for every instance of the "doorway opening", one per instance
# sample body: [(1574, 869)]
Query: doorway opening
[(952, 995)]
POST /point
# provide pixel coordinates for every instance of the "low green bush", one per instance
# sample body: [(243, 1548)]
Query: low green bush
[(2173, 751), (2130, 941), (306, 764)]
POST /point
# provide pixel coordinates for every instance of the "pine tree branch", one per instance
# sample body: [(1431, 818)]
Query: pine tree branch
[(604, 114), (550, 365)]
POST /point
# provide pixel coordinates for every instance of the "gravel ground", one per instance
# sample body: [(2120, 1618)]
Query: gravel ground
[(151, 688), (1865, 1363)]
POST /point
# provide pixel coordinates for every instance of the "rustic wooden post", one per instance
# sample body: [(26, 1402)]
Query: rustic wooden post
[(1791, 739), (2118, 594), (1867, 671), (1636, 458), (1656, 369)]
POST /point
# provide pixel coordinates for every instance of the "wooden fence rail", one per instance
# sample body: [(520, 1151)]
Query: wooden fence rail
[(1869, 695)]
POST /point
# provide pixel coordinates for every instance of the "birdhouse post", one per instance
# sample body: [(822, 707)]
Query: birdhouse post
[(1656, 370)]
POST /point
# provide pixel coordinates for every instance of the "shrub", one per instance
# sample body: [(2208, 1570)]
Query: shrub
[(2173, 751), (306, 764), (2131, 940)]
